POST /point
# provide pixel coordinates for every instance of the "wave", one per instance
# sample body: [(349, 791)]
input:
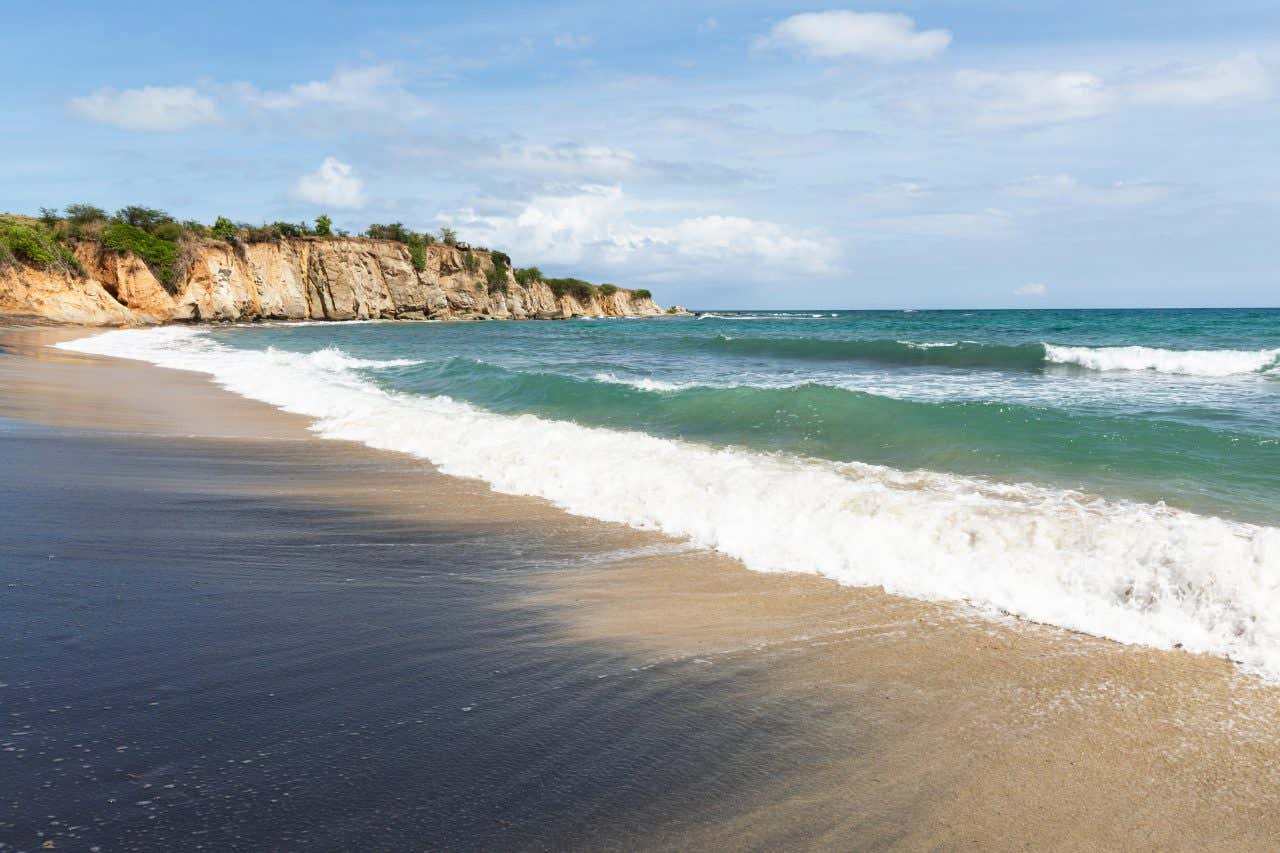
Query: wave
[(1184, 362), (1031, 356), (642, 383), (1138, 573), (941, 354), (767, 315), (332, 358)]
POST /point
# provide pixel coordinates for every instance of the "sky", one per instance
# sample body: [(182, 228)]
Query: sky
[(997, 154)]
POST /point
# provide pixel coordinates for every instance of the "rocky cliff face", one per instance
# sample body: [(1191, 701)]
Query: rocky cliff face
[(292, 279)]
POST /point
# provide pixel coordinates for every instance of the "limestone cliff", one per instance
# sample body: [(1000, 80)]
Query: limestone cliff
[(299, 278)]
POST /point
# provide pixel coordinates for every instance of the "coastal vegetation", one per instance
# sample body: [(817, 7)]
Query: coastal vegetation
[(162, 242)]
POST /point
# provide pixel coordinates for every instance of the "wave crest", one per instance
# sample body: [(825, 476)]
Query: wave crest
[(1182, 362)]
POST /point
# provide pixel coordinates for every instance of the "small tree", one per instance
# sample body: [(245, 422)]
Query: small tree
[(324, 226), (224, 229), (448, 236), (49, 216), (83, 214), (146, 218)]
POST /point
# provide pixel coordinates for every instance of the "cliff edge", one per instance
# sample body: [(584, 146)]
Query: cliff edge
[(298, 278)]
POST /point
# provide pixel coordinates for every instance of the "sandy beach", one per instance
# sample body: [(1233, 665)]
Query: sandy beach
[(347, 648)]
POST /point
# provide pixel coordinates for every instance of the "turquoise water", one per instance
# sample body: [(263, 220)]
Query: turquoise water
[(1191, 419)]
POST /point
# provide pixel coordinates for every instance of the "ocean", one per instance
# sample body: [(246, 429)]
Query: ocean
[(1110, 472)]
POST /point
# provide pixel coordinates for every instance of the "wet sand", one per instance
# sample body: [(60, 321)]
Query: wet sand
[(348, 649)]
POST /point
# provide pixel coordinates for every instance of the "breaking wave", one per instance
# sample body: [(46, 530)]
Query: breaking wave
[(1031, 356)]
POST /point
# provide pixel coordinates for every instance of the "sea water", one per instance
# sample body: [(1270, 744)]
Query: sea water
[(1113, 472)]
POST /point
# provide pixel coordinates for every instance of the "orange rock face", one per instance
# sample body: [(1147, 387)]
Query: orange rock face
[(290, 279)]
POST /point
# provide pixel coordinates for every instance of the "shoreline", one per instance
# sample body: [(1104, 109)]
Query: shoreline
[(882, 720)]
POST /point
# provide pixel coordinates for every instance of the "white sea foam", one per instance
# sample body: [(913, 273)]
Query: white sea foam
[(768, 315), (332, 358), (643, 383), (1185, 362), (1134, 572)]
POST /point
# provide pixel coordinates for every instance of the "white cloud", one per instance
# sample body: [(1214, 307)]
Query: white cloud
[(572, 162), (332, 185), (1033, 289), (1010, 99), (566, 161), (376, 88), (1241, 78), (840, 33), (601, 224), (979, 224), (572, 41), (1027, 98), (151, 108), (1063, 187)]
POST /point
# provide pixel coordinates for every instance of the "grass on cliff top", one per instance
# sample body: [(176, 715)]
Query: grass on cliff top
[(575, 287)]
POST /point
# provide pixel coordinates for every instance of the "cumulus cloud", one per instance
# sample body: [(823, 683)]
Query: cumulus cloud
[(332, 185), (1063, 187), (1033, 289), (374, 89), (601, 224), (151, 108), (1025, 98), (840, 34)]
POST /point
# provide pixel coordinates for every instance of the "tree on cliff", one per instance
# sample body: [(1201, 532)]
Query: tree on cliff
[(224, 229), (324, 226)]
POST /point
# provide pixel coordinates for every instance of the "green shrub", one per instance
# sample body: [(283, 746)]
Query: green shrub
[(324, 226), (417, 252), (36, 247), (83, 214), (495, 279), (224, 229), (160, 255), (608, 289), (49, 216), (289, 229), (500, 259), (641, 294), (258, 233), (448, 236), (170, 231), (528, 276), (470, 262), (575, 287), (190, 226), (395, 231)]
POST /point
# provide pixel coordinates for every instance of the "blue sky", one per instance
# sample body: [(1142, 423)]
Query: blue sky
[(918, 154)]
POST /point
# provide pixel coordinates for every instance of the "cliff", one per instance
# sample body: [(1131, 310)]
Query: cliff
[(300, 278)]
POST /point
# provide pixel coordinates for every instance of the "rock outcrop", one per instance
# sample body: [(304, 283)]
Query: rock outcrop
[(293, 279)]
